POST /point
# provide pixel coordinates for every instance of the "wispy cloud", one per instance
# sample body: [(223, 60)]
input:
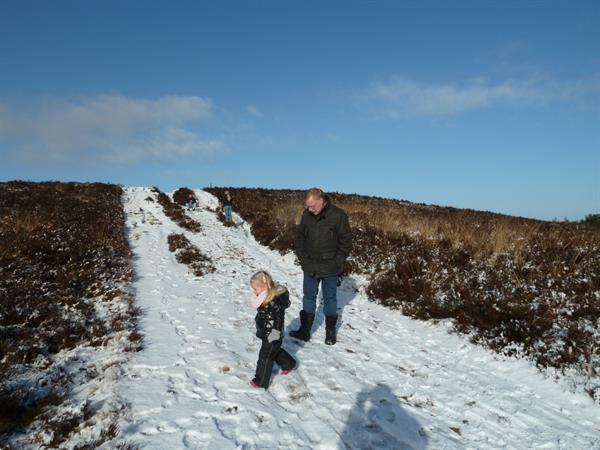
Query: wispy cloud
[(108, 129), (401, 98)]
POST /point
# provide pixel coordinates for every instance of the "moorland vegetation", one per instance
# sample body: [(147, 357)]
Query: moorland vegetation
[(65, 273), (519, 286)]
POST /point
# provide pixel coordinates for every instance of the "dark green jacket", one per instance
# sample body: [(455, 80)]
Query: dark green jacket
[(323, 241)]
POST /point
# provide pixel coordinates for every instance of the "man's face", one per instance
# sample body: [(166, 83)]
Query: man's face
[(315, 205)]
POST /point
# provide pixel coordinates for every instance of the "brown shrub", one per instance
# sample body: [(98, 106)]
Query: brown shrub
[(19, 407), (184, 196), (190, 255), (62, 249), (176, 213)]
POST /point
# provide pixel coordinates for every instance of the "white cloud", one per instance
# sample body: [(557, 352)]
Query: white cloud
[(109, 129), (402, 98)]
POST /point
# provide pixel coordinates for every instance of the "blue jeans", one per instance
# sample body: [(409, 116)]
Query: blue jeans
[(311, 289), (227, 211)]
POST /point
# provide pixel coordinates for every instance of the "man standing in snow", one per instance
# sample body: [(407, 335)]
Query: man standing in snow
[(227, 207), (323, 242)]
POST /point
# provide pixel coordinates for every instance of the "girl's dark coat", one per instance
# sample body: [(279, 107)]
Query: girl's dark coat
[(272, 316), (268, 318)]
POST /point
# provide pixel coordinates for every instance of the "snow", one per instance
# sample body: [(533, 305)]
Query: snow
[(389, 382)]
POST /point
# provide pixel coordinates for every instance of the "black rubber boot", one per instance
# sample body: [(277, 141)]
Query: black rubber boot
[(330, 323), (306, 321)]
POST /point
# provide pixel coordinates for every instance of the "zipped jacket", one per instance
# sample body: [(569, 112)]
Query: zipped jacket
[(272, 315), (323, 241)]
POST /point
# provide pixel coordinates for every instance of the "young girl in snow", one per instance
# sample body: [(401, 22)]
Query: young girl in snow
[(271, 301)]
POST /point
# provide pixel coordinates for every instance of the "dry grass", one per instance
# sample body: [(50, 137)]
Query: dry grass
[(487, 233), (519, 286)]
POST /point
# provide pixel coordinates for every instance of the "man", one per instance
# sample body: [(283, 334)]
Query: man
[(323, 242), (228, 207)]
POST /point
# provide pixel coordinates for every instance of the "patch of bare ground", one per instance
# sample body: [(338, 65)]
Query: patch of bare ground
[(64, 296), (190, 255), (518, 286)]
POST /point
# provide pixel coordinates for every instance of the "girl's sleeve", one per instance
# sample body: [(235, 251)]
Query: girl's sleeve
[(278, 318)]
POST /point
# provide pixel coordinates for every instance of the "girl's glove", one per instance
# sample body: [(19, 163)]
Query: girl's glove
[(274, 335)]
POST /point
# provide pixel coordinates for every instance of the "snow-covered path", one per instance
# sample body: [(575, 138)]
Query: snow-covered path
[(390, 382)]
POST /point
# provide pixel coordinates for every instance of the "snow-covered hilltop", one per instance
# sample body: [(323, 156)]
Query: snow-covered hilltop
[(389, 382)]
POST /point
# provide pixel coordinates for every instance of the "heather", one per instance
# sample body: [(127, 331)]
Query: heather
[(64, 287)]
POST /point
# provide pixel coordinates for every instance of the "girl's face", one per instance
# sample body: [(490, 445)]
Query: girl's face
[(258, 288)]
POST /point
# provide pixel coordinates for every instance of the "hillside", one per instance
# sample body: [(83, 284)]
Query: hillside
[(390, 382), (518, 286), (67, 316)]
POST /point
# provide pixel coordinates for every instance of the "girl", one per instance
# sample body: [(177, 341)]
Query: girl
[(271, 301)]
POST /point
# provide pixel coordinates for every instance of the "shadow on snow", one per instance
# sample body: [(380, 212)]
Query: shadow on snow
[(378, 421)]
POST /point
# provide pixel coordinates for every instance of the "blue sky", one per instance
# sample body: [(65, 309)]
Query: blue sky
[(488, 105)]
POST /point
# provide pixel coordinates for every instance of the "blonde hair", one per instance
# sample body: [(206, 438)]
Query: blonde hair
[(273, 289)]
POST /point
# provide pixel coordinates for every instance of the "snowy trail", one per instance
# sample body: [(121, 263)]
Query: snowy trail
[(390, 382)]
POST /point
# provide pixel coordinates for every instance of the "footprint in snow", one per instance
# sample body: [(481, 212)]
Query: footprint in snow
[(165, 427), (149, 431), (332, 385), (221, 343), (196, 439), (191, 338), (228, 426), (385, 411)]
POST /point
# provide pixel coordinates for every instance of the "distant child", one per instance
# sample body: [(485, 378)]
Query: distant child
[(271, 301), (192, 203)]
